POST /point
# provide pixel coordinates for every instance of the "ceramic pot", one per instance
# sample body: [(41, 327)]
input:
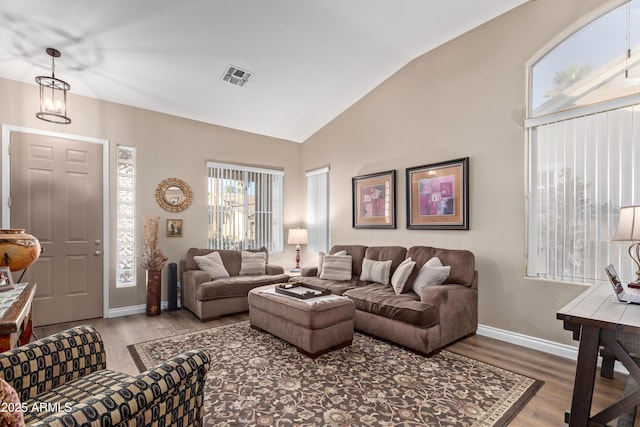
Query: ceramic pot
[(18, 250), (154, 280)]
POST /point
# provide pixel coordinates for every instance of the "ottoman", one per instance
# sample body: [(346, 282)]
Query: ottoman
[(315, 326)]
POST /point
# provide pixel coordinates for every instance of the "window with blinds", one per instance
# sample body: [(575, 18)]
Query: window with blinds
[(318, 210), (583, 133), (245, 207), (583, 169)]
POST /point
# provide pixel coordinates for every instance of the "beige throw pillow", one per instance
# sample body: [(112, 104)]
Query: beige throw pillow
[(321, 256), (212, 264), (336, 267), (253, 263), (375, 271), (432, 273), (401, 275)]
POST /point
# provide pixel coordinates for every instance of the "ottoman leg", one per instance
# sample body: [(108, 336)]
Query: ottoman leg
[(325, 351)]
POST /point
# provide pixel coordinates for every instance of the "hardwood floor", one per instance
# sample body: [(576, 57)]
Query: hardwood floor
[(546, 408)]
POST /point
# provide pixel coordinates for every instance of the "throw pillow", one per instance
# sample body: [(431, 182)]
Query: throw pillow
[(253, 263), (401, 275), (336, 267), (320, 258), (212, 264), (432, 273), (12, 415), (375, 271)]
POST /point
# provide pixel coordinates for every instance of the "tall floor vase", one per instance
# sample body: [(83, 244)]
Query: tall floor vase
[(154, 281)]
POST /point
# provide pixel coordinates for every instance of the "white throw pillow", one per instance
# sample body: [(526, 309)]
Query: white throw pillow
[(336, 267), (432, 273), (401, 275), (253, 263), (321, 256), (212, 264), (375, 271)]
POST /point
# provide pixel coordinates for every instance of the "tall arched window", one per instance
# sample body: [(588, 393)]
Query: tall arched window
[(583, 132)]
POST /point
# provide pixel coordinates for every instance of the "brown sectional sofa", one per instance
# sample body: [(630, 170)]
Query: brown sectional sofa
[(425, 323), (209, 299)]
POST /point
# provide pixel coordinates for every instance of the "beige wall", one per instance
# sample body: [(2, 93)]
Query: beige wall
[(466, 98), (167, 146)]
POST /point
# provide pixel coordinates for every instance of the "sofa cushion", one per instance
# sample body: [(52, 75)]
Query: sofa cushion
[(74, 392), (376, 271), (212, 264), (396, 254), (432, 273), (400, 277), (381, 300), (336, 267), (231, 259), (236, 286), (321, 256), (462, 263), (253, 263), (357, 255)]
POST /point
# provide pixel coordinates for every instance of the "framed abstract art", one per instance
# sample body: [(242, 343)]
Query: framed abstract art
[(438, 196), (374, 200)]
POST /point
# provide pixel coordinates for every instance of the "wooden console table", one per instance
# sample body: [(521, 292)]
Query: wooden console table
[(16, 324), (596, 320)]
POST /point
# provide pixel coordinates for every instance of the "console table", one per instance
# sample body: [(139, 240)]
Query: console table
[(16, 325), (596, 320)]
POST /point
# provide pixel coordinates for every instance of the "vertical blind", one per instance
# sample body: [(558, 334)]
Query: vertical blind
[(582, 170), (318, 210), (245, 207)]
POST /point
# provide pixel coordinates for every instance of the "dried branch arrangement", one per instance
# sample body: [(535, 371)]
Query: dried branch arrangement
[(152, 258)]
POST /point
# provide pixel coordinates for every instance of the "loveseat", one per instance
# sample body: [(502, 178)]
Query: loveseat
[(423, 318), (214, 283), (62, 380)]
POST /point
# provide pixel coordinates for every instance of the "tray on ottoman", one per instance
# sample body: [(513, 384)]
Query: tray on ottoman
[(300, 290)]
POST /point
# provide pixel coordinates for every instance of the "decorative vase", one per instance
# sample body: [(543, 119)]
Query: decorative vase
[(18, 250), (154, 281)]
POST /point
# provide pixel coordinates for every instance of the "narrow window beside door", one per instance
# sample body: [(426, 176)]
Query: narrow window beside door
[(126, 228)]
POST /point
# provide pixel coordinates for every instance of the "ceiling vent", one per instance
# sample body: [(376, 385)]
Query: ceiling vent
[(236, 76)]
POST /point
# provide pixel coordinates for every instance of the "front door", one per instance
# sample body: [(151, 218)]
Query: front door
[(56, 195)]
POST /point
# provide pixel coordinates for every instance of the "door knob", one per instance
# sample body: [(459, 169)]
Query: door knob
[(97, 253), (97, 242)]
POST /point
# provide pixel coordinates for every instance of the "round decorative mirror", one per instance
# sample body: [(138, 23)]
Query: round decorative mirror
[(174, 195)]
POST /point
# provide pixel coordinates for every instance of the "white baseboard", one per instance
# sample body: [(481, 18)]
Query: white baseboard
[(133, 309), (539, 344)]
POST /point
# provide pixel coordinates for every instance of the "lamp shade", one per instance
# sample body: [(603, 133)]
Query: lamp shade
[(628, 224), (298, 236)]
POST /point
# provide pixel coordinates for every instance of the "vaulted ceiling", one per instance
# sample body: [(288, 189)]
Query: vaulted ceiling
[(310, 59)]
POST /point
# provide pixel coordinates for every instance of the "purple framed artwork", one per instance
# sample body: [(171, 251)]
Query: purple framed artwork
[(374, 200), (438, 196)]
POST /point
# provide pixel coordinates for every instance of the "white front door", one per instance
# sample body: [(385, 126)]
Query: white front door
[(56, 194)]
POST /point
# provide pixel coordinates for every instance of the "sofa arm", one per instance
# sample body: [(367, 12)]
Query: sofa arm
[(172, 392), (457, 307), (52, 361), (309, 271), (272, 269)]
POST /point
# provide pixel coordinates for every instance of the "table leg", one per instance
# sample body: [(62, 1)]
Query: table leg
[(585, 376), (27, 328)]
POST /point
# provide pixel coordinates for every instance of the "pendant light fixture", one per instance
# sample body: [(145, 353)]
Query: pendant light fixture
[(53, 94)]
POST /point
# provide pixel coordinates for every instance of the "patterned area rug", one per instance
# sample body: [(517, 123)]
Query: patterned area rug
[(257, 379)]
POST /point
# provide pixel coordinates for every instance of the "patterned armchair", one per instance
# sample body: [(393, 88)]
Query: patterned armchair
[(62, 380)]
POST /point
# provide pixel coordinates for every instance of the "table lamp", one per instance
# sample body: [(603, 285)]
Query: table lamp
[(629, 231), (297, 236)]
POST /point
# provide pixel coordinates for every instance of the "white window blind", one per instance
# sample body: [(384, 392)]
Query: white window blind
[(582, 170), (318, 210), (245, 207)]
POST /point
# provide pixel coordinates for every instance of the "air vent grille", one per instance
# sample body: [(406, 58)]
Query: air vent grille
[(236, 76)]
